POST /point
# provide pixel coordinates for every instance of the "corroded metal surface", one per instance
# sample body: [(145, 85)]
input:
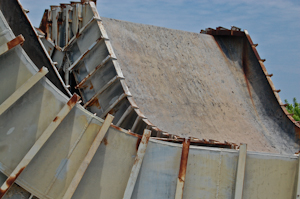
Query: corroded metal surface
[(209, 172)]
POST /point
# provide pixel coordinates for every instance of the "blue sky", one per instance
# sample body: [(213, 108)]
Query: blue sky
[(273, 24)]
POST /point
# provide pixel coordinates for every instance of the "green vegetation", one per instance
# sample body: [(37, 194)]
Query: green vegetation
[(294, 109)]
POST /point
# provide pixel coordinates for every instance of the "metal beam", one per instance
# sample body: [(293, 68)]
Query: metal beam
[(137, 164), (93, 71), (38, 144), (182, 170), (137, 120), (110, 82), (88, 158), (22, 89), (11, 44), (85, 53), (113, 104), (76, 35), (125, 114), (240, 174)]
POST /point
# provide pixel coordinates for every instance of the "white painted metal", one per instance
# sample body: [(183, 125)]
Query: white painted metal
[(87, 160), (240, 174), (22, 90), (38, 144), (137, 164)]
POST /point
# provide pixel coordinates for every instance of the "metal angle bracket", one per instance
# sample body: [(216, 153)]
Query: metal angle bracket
[(137, 164)]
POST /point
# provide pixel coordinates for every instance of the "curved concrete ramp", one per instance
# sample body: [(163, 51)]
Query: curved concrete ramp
[(198, 85)]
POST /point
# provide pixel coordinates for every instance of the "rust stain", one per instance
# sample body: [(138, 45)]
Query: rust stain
[(91, 87), (184, 159), (112, 111), (44, 22), (105, 141), (10, 181), (73, 100), (116, 127), (297, 133), (96, 103), (18, 40), (55, 119), (138, 141), (245, 65)]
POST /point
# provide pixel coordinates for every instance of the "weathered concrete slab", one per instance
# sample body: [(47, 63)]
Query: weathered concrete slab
[(193, 84)]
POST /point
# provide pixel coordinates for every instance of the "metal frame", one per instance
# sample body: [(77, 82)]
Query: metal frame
[(137, 164)]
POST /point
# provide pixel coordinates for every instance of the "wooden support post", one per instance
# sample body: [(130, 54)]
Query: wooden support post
[(88, 158), (23, 89), (38, 144), (239, 182), (137, 164), (182, 169)]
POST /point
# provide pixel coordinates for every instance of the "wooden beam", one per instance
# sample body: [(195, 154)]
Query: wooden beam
[(239, 182), (38, 144), (182, 170), (88, 158), (137, 164), (22, 89)]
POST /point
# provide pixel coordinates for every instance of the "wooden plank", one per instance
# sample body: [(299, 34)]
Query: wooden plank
[(38, 144), (182, 170), (11, 44), (88, 158), (239, 182), (137, 164), (22, 90)]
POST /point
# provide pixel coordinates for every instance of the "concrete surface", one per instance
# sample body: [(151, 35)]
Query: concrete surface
[(192, 84)]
